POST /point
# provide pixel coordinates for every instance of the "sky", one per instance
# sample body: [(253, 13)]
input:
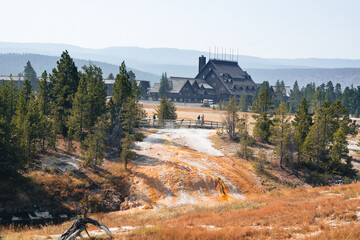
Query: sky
[(261, 28)]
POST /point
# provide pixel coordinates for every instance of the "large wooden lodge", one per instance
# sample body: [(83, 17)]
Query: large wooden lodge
[(216, 80)]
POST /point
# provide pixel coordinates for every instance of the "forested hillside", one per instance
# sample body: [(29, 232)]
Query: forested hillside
[(12, 63)]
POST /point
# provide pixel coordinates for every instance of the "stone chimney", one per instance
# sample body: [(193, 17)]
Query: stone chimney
[(202, 62)]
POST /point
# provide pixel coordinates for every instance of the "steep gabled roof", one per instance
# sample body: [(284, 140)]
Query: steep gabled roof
[(230, 68), (231, 76)]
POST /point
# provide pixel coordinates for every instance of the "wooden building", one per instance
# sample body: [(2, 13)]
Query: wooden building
[(216, 80)]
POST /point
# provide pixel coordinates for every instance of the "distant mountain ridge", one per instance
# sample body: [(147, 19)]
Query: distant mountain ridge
[(12, 63), (184, 63)]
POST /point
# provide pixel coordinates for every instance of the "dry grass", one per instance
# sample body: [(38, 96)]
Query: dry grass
[(308, 213)]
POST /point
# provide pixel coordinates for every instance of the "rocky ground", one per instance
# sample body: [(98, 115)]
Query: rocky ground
[(180, 166)]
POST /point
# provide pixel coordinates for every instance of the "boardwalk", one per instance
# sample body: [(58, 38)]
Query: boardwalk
[(178, 123)]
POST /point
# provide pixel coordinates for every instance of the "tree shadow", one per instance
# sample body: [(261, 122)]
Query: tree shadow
[(25, 202)]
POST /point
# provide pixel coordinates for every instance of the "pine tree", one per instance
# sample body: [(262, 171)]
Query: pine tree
[(79, 113), (327, 121), (262, 127), (29, 73), (44, 93), (231, 118), (96, 93), (302, 123), (164, 86), (330, 93), (245, 139), (65, 81), (166, 109), (338, 92), (130, 116), (111, 76), (281, 132), (295, 96), (126, 154), (94, 144), (262, 87), (263, 105), (309, 91), (11, 155), (123, 87), (244, 102), (279, 94), (339, 149)]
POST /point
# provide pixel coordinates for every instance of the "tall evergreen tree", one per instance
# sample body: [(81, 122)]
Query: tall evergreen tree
[(338, 92), (281, 132), (244, 102), (94, 145), (111, 76), (11, 155), (30, 74), (302, 123), (263, 105), (96, 93), (279, 94), (79, 113), (164, 86), (262, 87), (232, 118), (245, 139), (122, 88), (339, 149), (44, 93), (295, 98), (65, 81), (166, 109), (327, 121), (309, 91), (330, 92)]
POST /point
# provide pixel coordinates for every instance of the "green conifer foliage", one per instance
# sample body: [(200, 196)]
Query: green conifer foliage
[(281, 133), (302, 123), (29, 73), (232, 118), (123, 87), (65, 81), (164, 86), (295, 98), (94, 144), (263, 105), (244, 102), (245, 139), (166, 109)]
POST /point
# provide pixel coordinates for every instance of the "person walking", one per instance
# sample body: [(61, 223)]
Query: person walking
[(202, 119), (198, 119), (154, 118)]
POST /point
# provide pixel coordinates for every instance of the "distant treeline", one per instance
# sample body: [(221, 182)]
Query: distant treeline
[(12, 63), (314, 95)]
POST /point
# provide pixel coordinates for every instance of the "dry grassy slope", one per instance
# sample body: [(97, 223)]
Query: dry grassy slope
[(301, 213)]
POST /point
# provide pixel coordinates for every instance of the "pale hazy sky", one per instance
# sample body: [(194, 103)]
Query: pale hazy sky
[(263, 28)]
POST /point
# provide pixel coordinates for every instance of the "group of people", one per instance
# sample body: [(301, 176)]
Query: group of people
[(202, 119)]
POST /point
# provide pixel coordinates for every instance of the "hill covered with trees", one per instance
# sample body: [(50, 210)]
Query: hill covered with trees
[(12, 63)]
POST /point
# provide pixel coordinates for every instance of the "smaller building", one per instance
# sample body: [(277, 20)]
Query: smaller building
[(183, 89), (17, 80)]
